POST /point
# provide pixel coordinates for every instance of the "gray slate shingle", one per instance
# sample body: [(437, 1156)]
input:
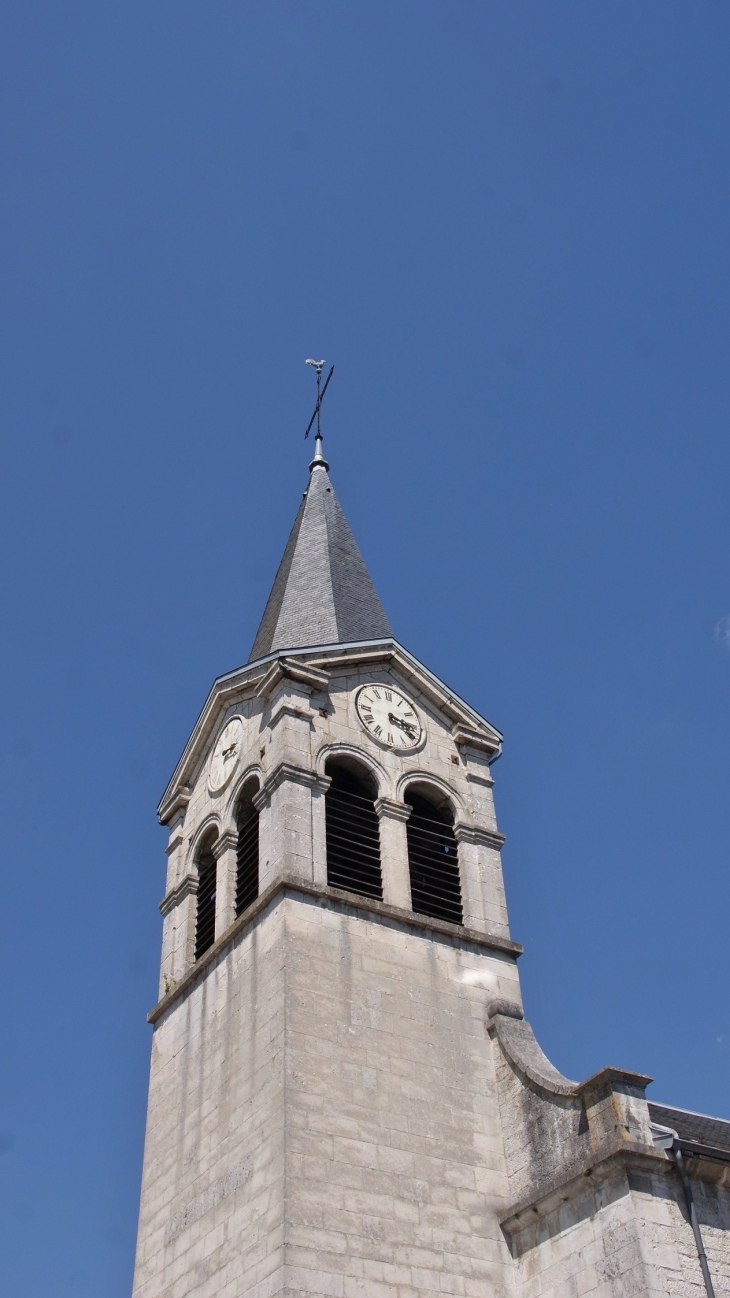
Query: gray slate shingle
[(322, 593)]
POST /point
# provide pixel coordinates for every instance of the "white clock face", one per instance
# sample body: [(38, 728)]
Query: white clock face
[(388, 716), (225, 755)]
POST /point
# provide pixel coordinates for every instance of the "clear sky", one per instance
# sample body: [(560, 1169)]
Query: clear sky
[(507, 226)]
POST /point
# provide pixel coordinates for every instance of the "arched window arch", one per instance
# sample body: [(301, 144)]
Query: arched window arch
[(207, 880), (433, 857), (247, 848), (353, 832)]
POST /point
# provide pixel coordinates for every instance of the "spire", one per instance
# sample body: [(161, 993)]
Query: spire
[(322, 593)]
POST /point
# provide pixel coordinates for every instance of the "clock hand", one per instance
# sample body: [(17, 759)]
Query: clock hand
[(404, 725)]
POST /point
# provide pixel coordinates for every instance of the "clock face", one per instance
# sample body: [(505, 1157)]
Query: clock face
[(225, 755), (389, 717)]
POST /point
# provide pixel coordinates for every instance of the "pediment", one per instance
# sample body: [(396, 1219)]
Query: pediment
[(312, 669)]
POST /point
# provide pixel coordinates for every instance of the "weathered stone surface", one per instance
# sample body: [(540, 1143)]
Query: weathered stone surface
[(345, 1097)]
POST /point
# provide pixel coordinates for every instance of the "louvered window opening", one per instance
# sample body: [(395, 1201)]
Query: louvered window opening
[(353, 837), (433, 860), (205, 926), (247, 859)]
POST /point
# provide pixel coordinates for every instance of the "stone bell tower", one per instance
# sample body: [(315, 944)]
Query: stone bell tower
[(345, 1099)]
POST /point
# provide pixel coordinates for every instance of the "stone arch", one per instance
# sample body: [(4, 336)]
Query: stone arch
[(209, 829), (348, 752), (252, 772), (351, 824), (246, 819), (433, 786), (206, 870), (433, 851)]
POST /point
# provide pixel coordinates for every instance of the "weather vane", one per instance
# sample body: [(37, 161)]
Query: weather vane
[(319, 366)]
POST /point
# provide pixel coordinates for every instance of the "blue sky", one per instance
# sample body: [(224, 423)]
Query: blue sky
[(507, 226)]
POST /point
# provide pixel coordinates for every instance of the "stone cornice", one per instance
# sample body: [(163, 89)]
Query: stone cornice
[(569, 1182), (179, 803), (288, 668), (290, 885), (296, 774), (479, 835), (185, 888), (464, 737), (609, 1077), (387, 809), (480, 777)]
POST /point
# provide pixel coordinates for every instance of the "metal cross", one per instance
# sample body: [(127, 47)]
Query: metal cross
[(319, 366)]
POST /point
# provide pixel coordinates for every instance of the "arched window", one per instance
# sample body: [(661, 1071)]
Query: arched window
[(353, 832), (433, 857), (205, 924), (247, 849)]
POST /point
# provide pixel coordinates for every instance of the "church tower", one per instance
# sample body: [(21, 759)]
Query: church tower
[(345, 1099)]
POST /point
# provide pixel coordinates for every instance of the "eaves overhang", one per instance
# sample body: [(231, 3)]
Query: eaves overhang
[(469, 725)]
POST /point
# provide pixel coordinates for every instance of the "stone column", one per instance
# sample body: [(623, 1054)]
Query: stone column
[(394, 852), (224, 851)]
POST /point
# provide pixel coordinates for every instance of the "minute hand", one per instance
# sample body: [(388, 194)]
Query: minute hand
[(404, 725)]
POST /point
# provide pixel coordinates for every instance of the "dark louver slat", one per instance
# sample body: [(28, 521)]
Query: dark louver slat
[(434, 864), (205, 926), (353, 840), (247, 860)]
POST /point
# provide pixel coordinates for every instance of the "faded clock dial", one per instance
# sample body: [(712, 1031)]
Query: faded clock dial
[(388, 716), (225, 755)]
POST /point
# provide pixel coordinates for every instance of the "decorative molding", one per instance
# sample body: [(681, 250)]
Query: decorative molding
[(464, 736), (176, 840), (178, 803), (480, 777), (607, 1078), (479, 835), (387, 809), (510, 1009), (287, 668), (289, 885), (187, 887), (571, 1182), (518, 1041), (287, 771), (284, 708), (228, 841)]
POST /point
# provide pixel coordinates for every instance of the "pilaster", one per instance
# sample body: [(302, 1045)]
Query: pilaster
[(179, 911), (224, 850), (286, 825), (483, 897), (394, 852)]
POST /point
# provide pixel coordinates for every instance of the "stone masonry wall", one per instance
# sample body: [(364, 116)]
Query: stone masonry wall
[(395, 1171), (323, 1117), (212, 1214)]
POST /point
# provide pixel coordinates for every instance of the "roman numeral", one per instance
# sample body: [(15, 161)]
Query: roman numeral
[(376, 692), (378, 730), (389, 696), (390, 738)]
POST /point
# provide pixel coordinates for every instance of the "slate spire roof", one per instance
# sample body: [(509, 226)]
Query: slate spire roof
[(322, 593)]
